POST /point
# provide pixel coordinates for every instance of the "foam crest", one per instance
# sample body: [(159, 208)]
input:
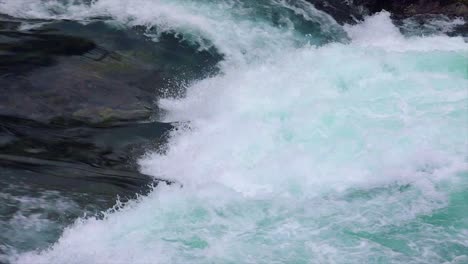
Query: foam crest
[(240, 30), (43, 9), (274, 116), (378, 31)]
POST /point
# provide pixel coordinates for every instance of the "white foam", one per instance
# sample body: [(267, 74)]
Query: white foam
[(295, 153), (50, 9), (378, 31)]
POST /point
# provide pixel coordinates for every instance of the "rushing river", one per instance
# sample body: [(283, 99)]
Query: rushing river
[(314, 143)]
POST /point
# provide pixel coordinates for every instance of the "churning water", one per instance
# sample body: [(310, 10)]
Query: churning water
[(315, 143)]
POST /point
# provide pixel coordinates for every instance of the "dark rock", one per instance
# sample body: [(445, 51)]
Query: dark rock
[(99, 155), (79, 178), (76, 101), (76, 109), (350, 12), (83, 170), (47, 44), (33, 217), (177, 61), (407, 8), (68, 73), (87, 179), (112, 147), (98, 87)]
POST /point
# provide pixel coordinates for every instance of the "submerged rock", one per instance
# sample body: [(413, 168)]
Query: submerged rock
[(76, 110), (77, 101), (94, 87), (63, 72), (100, 158), (81, 169), (64, 83)]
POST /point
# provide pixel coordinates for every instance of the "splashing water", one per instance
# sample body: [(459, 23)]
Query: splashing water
[(308, 147)]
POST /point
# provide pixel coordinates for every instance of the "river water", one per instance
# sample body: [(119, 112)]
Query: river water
[(315, 142)]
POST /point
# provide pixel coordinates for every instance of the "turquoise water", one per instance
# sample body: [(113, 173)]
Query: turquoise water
[(316, 143)]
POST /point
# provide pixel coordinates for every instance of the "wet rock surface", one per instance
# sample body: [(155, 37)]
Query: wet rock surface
[(32, 214), (352, 11), (417, 17), (81, 153), (406, 8), (78, 106), (58, 89), (87, 94), (96, 87)]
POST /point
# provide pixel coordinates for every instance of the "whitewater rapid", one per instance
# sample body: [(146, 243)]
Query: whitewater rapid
[(340, 145)]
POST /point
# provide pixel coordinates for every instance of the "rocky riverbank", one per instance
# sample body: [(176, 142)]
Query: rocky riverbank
[(78, 106), (354, 10), (85, 94), (407, 8)]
